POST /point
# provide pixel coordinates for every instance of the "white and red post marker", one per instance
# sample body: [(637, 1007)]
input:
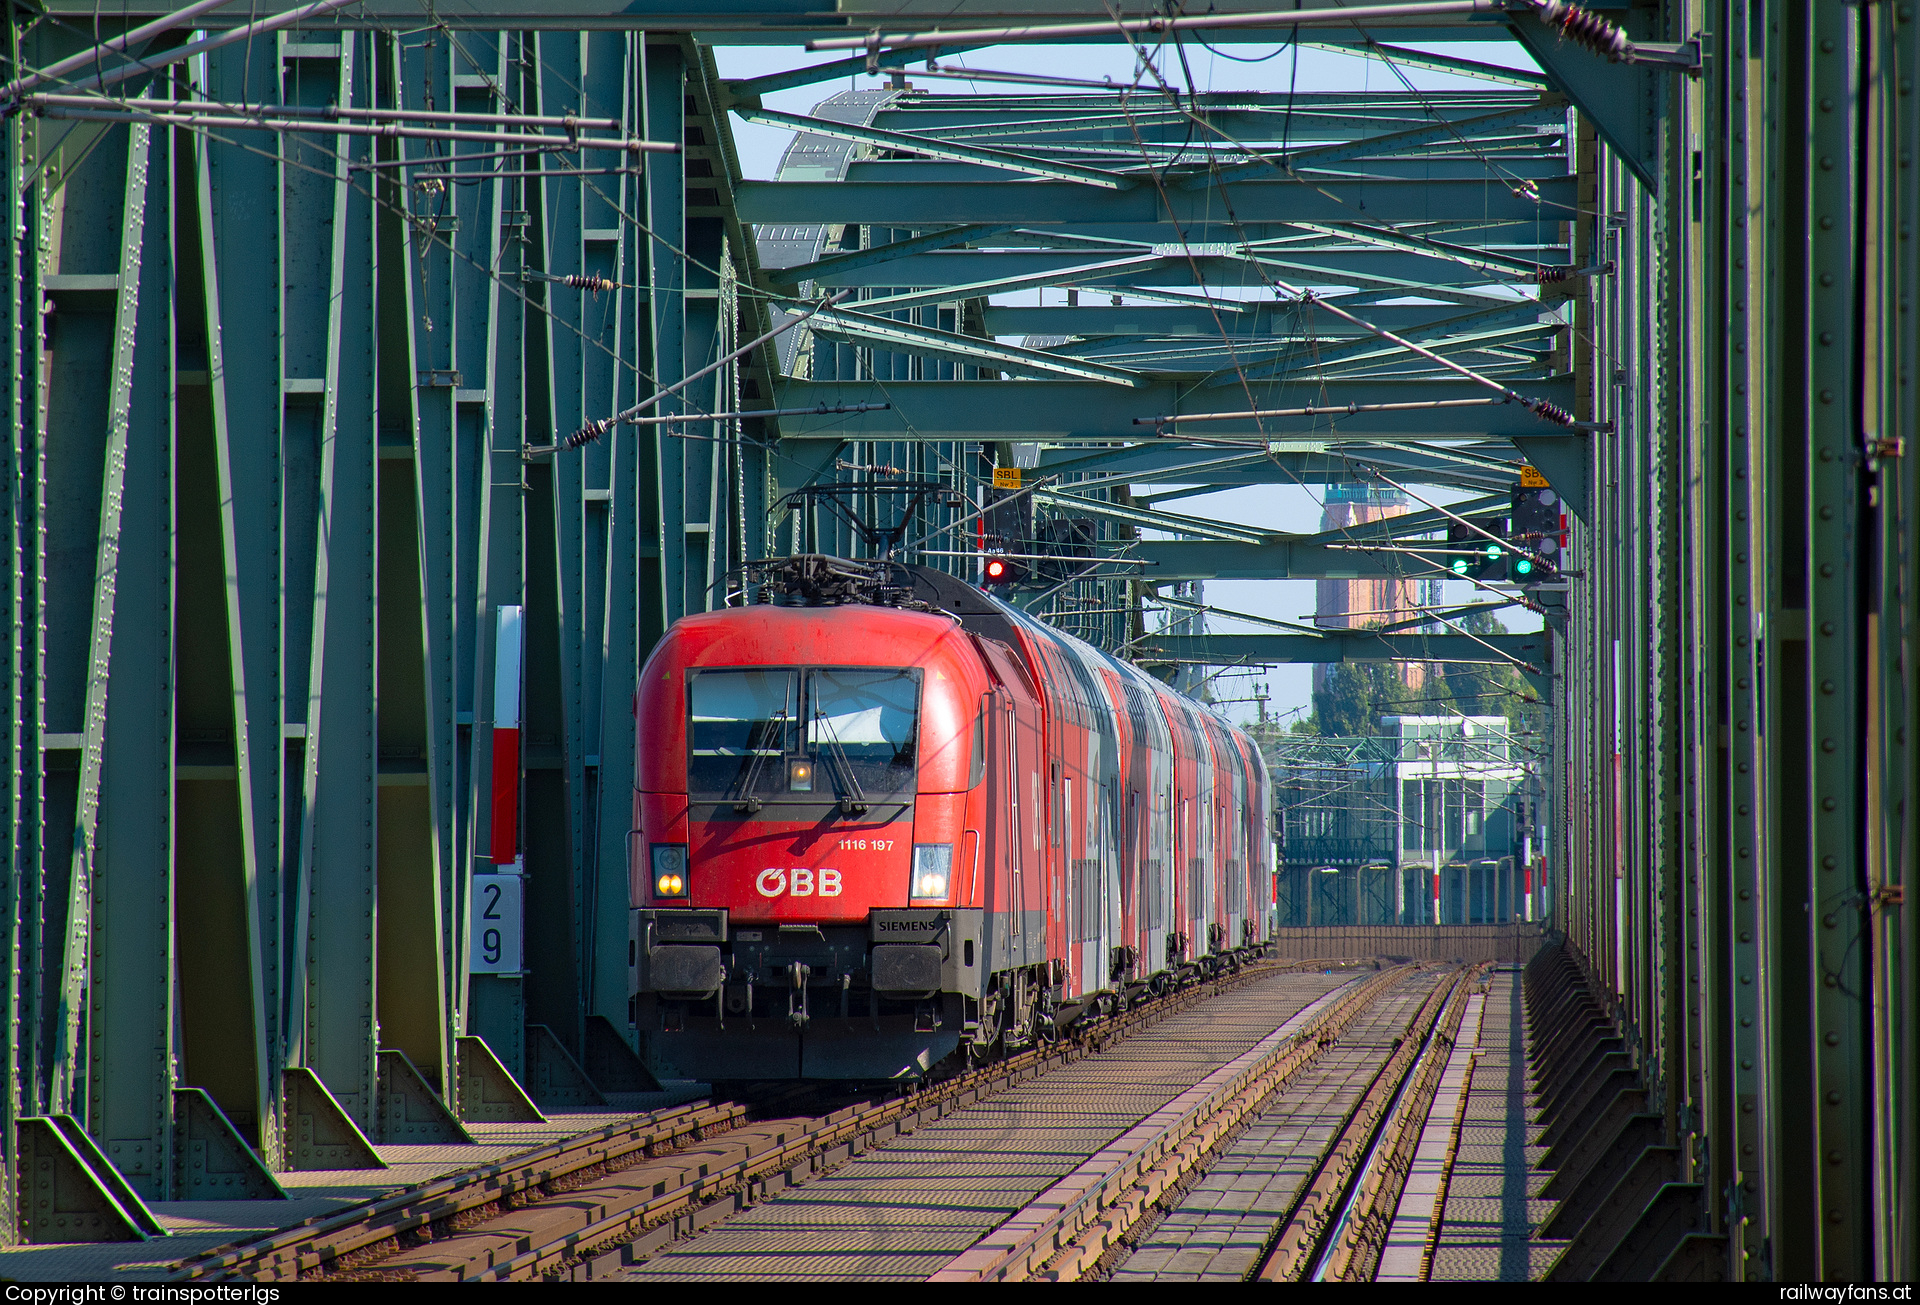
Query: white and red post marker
[(509, 643), (494, 931)]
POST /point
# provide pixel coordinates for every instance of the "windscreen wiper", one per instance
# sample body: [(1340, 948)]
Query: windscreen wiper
[(853, 800), (748, 803)]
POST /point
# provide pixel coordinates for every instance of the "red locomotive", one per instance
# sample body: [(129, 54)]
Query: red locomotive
[(882, 819)]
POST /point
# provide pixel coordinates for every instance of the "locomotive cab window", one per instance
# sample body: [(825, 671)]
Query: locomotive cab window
[(866, 725), (741, 726), (806, 735)]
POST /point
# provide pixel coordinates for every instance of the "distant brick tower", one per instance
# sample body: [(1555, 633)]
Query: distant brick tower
[(1351, 604)]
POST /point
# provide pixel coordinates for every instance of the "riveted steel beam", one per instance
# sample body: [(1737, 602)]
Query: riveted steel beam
[(832, 269), (1280, 559), (1261, 649), (1087, 410), (333, 745), (905, 337), (934, 148), (1371, 147), (1075, 207)]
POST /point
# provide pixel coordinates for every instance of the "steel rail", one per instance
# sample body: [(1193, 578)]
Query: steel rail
[(1091, 1251), (1315, 1214), (841, 1137), (356, 1241), (1353, 1249), (308, 1247), (1060, 1233)]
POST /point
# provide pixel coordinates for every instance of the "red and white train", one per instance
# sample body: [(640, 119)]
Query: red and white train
[(884, 819)]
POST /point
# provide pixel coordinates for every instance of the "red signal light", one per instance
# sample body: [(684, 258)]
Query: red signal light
[(996, 569)]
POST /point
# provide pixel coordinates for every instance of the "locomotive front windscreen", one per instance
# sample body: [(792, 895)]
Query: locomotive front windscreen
[(802, 735)]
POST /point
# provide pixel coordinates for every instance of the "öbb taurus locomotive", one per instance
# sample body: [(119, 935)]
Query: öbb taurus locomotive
[(882, 819)]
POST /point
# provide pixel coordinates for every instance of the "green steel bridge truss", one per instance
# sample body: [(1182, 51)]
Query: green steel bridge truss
[(268, 484)]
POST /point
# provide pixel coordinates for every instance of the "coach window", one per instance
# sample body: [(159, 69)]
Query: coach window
[(1053, 815), (977, 771)]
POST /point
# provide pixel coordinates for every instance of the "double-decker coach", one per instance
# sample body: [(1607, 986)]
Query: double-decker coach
[(883, 820)]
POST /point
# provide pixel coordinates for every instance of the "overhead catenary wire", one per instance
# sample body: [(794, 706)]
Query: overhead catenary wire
[(335, 112), (593, 430), (336, 161), (1577, 24), (1310, 410), (223, 121), (741, 414), (144, 64), (1154, 26), (55, 71)]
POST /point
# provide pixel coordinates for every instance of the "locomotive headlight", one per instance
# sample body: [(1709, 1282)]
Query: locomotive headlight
[(932, 871), (800, 776), (669, 870)]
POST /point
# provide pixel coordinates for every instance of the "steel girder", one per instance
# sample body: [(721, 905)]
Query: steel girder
[(1342, 646), (1738, 710), (266, 495), (1047, 203), (1060, 412), (258, 532), (771, 21)]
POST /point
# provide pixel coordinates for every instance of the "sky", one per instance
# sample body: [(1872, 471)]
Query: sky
[(1292, 509)]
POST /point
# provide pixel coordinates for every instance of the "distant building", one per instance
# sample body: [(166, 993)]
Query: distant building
[(1351, 604), (1425, 823)]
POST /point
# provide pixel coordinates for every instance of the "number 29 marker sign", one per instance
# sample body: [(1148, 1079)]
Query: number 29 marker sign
[(493, 925)]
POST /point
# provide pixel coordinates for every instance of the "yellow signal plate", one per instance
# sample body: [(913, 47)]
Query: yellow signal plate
[(1529, 479), (1009, 478)]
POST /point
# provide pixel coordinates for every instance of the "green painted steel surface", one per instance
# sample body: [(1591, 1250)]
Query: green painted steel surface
[(266, 494)]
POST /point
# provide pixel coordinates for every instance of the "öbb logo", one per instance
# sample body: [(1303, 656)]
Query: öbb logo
[(798, 882)]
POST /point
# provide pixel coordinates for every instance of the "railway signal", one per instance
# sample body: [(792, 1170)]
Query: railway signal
[(1001, 570), (1536, 518), (1477, 556)]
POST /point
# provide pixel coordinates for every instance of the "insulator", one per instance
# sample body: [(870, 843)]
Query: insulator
[(1552, 275), (594, 283), (1552, 412), (1584, 27), (588, 433)]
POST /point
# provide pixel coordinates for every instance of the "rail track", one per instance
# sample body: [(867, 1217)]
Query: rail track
[(1057, 1179), (589, 1205), (1335, 1216)]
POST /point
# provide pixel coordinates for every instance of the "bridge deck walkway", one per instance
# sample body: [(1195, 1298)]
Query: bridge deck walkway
[(1493, 1193)]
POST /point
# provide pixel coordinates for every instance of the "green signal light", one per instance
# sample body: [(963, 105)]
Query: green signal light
[(1493, 551), (1523, 567), (1459, 566)]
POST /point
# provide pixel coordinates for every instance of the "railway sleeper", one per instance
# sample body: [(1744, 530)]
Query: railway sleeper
[(612, 1246), (1098, 1249), (1295, 1250), (570, 1205), (1358, 1242), (354, 1237), (1027, 1244)]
